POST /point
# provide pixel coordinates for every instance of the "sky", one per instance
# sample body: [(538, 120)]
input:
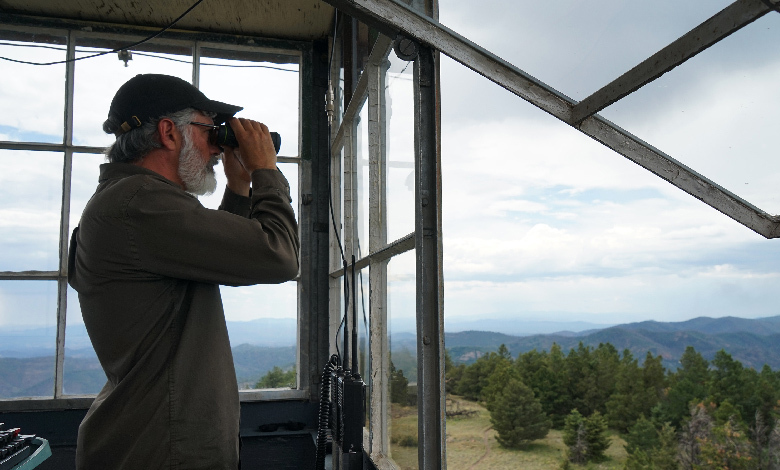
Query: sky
[(540, 222)]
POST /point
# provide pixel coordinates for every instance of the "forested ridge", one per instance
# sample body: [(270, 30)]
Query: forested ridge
[(706, 414)]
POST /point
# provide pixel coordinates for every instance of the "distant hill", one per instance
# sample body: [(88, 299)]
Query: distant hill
[(752, 342), (34, 376)]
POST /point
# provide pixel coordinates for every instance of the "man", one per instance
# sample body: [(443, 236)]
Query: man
[(147, 260)]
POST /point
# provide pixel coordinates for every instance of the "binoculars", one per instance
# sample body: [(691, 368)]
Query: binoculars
[(226, 136)]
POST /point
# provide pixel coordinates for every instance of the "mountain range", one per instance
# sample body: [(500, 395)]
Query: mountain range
[(753, 342)]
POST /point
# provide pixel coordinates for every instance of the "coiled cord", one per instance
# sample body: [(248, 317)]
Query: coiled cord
[(324, 414)]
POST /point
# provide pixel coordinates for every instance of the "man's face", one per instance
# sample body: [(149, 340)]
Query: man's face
[(197, 158)]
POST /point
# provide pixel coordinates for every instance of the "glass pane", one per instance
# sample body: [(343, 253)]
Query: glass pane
[(363, 323), (268, 92), (32, 98), (83, 374), (717, 113), (28, 337), (84, 180), (98, 78), (401, 300), (262, 323), (400, 149), (31, 191), (262, 320)]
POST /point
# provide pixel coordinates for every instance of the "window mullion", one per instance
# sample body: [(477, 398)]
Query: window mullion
[(62, 282), (379, 383)]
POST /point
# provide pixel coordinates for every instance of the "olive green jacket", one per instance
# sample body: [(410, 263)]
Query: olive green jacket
[(147, 260)]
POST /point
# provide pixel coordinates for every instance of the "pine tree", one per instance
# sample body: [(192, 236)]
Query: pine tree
[(277, 378), (399, 385), (497, 382), (624, 405), (598, 440), (517, 416), (689, 384)]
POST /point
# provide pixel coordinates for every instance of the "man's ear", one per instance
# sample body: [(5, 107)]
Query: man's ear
[(169, 134)]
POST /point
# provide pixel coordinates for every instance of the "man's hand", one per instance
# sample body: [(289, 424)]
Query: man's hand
[(254, 140), (239, 180)]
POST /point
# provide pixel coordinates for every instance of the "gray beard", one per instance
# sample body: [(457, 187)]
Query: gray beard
[(198, 177)]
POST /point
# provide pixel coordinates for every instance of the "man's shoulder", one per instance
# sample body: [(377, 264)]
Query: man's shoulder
[(122, 186)]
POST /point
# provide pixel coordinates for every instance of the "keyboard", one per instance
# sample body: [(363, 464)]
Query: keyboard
[(21, 451)]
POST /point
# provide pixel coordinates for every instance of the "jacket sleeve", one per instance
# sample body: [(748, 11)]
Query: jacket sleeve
[(173, 235)]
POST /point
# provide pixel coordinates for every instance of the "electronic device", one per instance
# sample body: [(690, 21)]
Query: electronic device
[(343, 403), (21, 451)]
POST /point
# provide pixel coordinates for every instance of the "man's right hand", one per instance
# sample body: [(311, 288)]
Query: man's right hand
[(254, 141)]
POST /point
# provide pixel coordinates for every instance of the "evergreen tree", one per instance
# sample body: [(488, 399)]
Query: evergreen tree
[(606, 362), (598, 440), (649, 448), (642, 435), (580, 368), (729, 381), (545, 373), (399, 386), (594, 430), (277, 378), (557, 401), (688, 385), (517, 416), (625, 404), (475, 376), (497, 382), (654, 380), (574, 421)]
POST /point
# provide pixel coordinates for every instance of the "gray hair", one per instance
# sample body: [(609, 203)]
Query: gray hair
[(135, 144)]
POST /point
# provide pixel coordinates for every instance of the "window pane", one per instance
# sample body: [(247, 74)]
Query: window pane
[(268, 94), (28, 332), (262, 323), (27, 114), (401, 299), (98, 79), (84, 180), (717, 113), (31, 191), (83, 374), (262, 320), (400, 149)]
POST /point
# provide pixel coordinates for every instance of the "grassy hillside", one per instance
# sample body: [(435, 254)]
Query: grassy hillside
[(471, 443)]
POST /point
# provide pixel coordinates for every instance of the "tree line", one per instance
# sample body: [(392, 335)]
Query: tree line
[(714, 414)]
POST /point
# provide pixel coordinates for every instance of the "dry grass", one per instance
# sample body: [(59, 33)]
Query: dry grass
[(471, 444)]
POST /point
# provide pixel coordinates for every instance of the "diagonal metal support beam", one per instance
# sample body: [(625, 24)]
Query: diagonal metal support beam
[(729, 20), (393, 18)]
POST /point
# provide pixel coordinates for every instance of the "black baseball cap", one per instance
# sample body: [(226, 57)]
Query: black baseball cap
[(147, 97)]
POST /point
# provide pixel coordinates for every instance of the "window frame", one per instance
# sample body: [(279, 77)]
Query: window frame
[(95, 32)]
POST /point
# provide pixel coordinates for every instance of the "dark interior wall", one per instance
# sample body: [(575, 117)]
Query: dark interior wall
[(277, 435)]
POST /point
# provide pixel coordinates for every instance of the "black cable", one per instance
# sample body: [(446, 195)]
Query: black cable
[(324, 412), (111, 51)]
